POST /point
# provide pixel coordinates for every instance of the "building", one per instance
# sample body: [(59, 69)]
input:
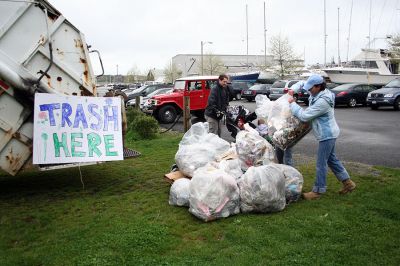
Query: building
[(190, 64)]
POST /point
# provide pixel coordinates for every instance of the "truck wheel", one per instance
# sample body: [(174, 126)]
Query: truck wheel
[(238, 96), (352, 102), (167, 114), (396, 104)]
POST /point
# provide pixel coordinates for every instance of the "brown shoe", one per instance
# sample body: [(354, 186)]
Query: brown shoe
[(348, 186), (311, 195)]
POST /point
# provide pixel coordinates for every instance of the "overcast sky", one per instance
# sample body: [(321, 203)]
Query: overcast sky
[(148, 33)]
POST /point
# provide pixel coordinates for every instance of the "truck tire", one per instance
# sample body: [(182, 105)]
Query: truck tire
[(167, 114)]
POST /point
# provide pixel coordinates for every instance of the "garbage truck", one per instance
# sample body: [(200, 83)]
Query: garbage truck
[(40, 52)]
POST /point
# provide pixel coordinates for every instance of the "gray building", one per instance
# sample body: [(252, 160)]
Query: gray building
[(190, 64)]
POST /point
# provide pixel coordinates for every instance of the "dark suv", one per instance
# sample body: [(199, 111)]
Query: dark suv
[(236, 88), (388, 95)]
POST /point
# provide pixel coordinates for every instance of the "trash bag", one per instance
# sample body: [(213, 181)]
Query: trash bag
[(214, 194), (262, 189), (284, 129), (179, 192), (232, 167), (252, 150), (197, 148), (293, 182)]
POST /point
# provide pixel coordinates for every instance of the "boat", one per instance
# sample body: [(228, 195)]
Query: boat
[(244, 77), (371, 66)]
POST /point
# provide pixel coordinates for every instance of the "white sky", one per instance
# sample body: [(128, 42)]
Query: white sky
[(148, 33)]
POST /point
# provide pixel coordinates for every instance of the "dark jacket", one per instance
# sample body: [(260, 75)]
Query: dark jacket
[(218, 100)]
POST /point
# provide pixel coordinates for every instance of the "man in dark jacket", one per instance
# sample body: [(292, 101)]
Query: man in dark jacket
[(217, 104)]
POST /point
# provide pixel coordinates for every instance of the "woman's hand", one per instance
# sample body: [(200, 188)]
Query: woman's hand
[(291, 100), (291, 92)]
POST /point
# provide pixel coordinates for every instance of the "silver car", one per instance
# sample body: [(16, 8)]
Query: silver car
[(281, 87)]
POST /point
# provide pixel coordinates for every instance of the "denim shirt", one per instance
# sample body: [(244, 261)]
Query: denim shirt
[(321, 114)]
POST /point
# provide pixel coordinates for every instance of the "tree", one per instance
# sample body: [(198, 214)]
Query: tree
[(212, 64), (283, 53), (132, 75), (171, 73), (150, 76)]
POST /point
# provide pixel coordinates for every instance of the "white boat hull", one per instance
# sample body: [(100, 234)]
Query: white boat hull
[(351, 76)]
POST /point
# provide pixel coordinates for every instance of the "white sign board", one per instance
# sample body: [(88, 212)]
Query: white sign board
[(76, 129)]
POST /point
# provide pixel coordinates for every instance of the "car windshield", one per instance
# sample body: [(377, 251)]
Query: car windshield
[(343, 87), (159, 91), (393, 84), (179, 85), (257, 87), (279, 84)]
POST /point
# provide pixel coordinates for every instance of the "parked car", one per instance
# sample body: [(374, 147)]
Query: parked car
[(146, 90), (147, 99), (280, 87), (236, 88), (331, 85), (388, 95), (251, 93), (352, 94)]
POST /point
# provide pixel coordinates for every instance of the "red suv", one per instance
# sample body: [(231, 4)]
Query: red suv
[(167, 107)]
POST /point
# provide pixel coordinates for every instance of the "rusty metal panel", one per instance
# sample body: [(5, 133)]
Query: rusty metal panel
[(26, 31)]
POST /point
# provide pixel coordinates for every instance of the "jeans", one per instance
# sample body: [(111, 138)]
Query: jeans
[(214, 125), (284, 156), (327, 157)]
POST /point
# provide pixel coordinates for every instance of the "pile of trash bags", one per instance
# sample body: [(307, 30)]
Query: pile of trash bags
[(284, 129), (227, 179)]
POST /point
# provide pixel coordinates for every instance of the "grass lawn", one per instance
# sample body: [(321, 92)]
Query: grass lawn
[(122, 217)]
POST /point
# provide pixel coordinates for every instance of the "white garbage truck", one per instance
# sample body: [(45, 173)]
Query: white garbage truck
[(40, 52)]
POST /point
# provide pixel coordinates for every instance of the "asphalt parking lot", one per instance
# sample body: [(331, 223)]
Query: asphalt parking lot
[(367, 136)]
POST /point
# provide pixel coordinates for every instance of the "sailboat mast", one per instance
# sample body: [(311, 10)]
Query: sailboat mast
[(265, 40), (325, 33), (348, 36), (369, 28), (338, 37), (247, 41)]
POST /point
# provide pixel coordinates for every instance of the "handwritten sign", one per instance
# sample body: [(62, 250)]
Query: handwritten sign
[(76, 129)]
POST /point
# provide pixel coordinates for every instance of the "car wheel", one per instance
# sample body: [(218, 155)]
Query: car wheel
[(238, 96), (352, 102), (396, 104), (374, 107), (167, 114)]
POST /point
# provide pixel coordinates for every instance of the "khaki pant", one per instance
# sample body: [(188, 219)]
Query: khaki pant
[(214, 125)]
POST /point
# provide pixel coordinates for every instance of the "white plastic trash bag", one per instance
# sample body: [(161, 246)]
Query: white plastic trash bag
[(213, 194), (284, 129), (197, 148), (293, 182), (179, 192), (232, 167), (251, 149), (262, 189)]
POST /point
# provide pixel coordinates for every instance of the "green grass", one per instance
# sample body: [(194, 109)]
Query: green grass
[(123, 218)]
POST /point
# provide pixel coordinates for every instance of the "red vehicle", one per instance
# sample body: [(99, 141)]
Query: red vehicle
[(167, 107)]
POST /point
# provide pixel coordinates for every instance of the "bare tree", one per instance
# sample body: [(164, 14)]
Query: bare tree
[(171, 73), (283, 53), (213, 65), (132, 75)]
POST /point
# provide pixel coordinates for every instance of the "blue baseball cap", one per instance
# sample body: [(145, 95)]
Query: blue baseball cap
[(313, 80)]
